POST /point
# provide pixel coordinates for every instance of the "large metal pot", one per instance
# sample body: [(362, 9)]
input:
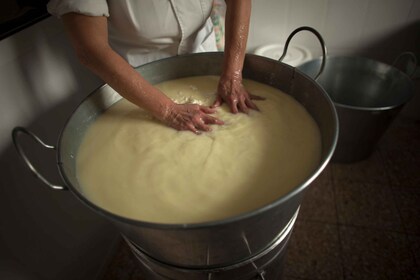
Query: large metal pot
[(211, 244)]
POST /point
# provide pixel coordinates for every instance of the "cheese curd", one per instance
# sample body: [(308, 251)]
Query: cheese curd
[(134, 166)]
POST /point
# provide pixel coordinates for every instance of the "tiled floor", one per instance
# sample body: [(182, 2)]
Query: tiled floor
[(357, 221)]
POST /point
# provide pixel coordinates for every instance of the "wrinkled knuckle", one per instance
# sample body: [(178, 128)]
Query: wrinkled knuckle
[(196, 118)]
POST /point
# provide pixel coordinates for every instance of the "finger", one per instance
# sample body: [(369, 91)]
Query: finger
[(242, 106), (256, 97), (212, 120), (251, 104), (200, 123), (192, 128), (202, 126), (233, 104), (218, 102), (207, 110)]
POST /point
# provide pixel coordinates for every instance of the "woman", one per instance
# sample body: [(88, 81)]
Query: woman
[(111, 37)]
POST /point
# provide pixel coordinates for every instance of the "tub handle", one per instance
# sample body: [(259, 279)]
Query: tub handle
[(260, 275), (321, 41), (15, 136), (414, 58)]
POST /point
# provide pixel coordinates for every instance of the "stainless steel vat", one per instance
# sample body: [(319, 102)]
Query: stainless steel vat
[(267, 264), (215, 244), (212, 244)]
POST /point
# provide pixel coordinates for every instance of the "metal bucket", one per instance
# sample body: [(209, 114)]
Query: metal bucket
[(212, 244), (367, 96)]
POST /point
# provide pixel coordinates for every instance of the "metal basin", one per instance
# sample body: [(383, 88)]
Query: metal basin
[(219, 243), (367, 96)]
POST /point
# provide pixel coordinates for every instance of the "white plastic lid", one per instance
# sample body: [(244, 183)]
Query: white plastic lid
[(295, 56)]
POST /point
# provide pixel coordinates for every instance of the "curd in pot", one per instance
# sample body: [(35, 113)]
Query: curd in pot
[(133, 166)]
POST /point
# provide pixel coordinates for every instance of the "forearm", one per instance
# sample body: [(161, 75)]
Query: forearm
[(116, 72), (238, 13), (230, 88), (89, 37)]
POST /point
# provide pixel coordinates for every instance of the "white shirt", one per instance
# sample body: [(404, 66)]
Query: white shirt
[(146, 30)]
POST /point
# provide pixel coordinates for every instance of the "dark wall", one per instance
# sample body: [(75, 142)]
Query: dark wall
[(16, 15)]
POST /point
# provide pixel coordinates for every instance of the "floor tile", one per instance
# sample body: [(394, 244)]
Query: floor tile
[(285, 277), (414, 241), (371, 170), (403, 167), (318, 203), (403, 134), (123, 265), (138, 275), (408, 203), (367, 205), (313, 252), (376, 254)]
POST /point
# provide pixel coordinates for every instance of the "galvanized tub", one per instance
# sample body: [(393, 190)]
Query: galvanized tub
[(212, 244), (367, 95)]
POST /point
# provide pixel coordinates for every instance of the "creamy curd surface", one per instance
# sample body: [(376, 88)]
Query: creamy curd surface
[(134, 166)]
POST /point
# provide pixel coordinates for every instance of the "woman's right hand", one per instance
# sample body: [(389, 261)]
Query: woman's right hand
[(192, 117)]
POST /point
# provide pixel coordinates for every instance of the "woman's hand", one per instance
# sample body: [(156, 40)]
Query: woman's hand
[(231, 91), (191, 117)]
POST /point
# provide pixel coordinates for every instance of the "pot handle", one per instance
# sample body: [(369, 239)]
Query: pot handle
[(15, 136), (321, 41), (260, 276), (414, 58)]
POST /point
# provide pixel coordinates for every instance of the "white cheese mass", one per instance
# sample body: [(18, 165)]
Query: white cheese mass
[(134, 166)]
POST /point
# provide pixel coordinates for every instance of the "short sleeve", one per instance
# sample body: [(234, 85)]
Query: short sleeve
[(86, 7)]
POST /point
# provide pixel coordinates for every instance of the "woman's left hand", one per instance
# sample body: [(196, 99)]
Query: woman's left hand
[(231, 91)]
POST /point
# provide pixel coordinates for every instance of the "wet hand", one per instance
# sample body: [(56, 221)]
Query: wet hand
[(231, 91), (191, 117)]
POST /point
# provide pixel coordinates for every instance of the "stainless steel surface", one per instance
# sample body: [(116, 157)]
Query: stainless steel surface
[(367, 95), (219, 243), (321, 41), (267, 267), (256, 267), (15, 136)]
